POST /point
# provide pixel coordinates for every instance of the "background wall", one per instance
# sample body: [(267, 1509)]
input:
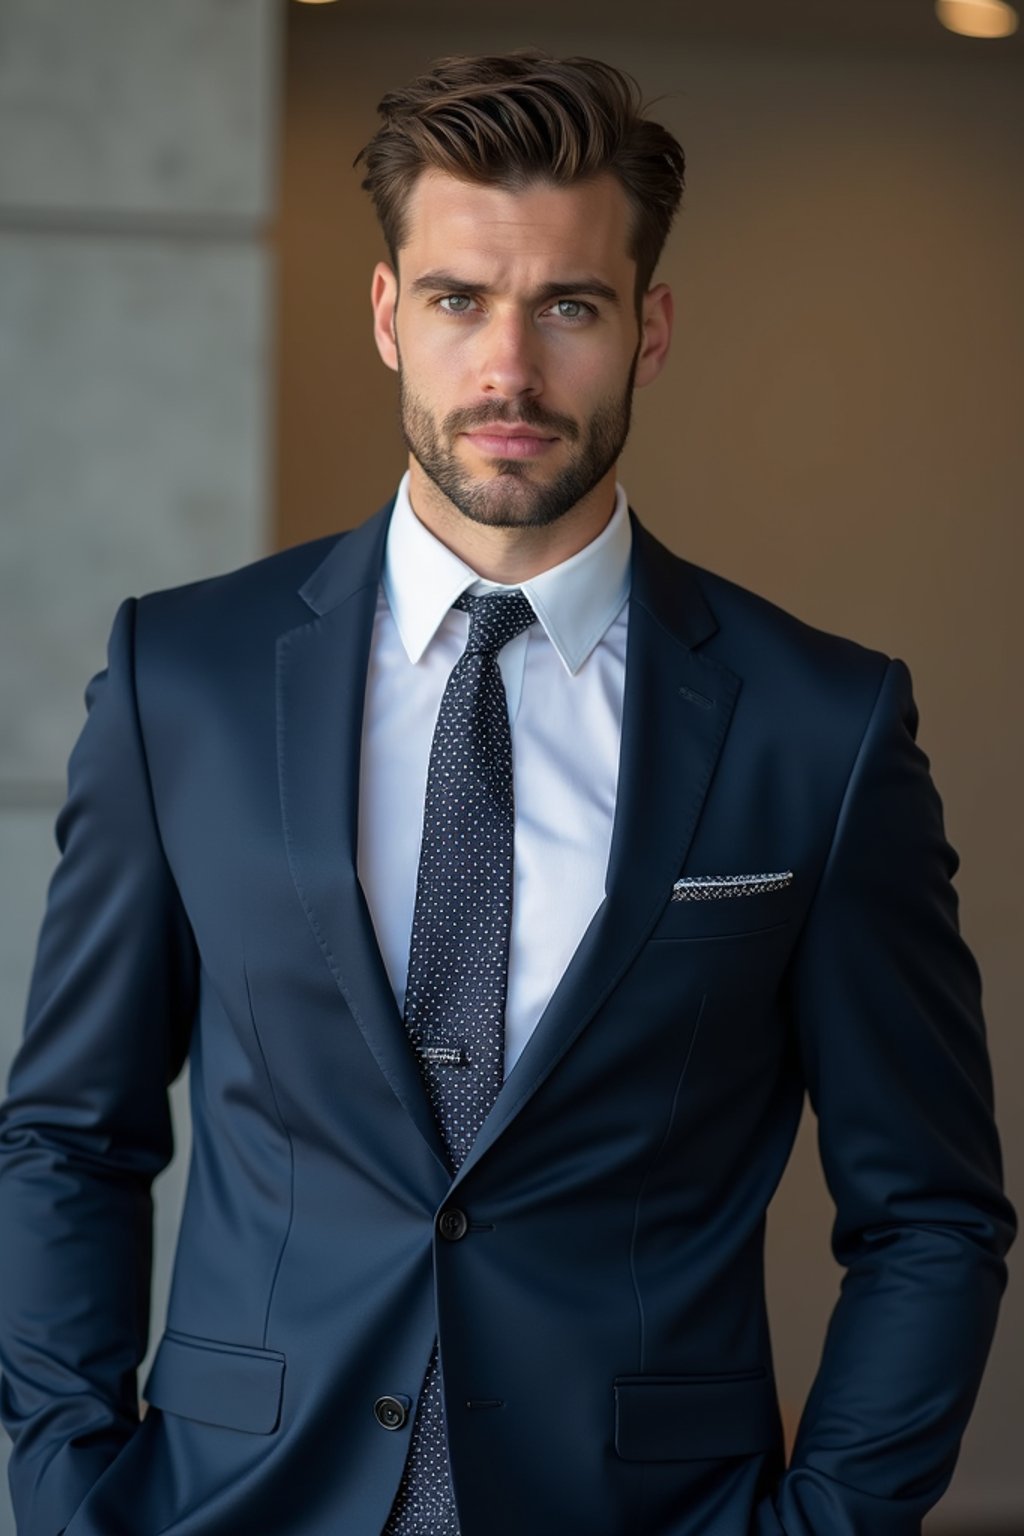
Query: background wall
[(838, 427), (137, 174)]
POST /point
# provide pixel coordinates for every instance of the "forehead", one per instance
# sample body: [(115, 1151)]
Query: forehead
[(538, 227)]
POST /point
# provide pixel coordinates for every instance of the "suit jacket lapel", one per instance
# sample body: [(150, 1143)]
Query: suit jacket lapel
[(677, 707), (321, 681)]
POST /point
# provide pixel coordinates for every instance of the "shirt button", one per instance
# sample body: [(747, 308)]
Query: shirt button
[(453, 1224), (391, 1412)]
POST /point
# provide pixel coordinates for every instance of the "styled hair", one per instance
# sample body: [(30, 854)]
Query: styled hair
[(509, 119)]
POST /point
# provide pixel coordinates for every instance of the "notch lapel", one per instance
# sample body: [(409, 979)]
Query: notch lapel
[(321, 683), (677, 707)]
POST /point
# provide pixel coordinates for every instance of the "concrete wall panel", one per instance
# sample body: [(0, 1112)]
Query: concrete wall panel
[(137, 174), (117, 106), (132, 451)]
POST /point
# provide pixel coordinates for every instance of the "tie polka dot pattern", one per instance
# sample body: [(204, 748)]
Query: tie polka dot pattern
[(458, 964), (458, 955), (424, 1504)]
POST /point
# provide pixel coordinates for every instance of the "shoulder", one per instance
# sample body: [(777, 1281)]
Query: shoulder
[(265, 591), (245, 609), (808, 698), (768, 646), (218, 638), (812, 691), (744, 614)]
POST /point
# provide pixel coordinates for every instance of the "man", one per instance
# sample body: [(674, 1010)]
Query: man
[(507, 881)]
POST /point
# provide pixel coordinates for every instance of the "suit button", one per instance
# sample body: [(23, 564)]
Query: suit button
[(453, 1224), (391, 1412)]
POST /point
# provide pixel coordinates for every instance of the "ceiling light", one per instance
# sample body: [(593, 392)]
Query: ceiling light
[(978, 18)]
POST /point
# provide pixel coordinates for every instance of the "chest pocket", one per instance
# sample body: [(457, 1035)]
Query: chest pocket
[(731, 912)]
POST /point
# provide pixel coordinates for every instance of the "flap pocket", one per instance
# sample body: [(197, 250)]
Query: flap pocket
[(216, 1383), (695, 1418)]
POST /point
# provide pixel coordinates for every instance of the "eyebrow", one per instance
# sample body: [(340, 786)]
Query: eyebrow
[(450, 282)]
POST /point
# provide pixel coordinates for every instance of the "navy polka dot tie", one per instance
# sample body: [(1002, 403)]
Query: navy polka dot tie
[(458, 965)]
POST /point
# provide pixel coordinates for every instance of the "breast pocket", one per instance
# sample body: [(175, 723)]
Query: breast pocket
[(730, 912)]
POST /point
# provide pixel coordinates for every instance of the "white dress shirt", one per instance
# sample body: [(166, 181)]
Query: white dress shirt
[(563, 680)]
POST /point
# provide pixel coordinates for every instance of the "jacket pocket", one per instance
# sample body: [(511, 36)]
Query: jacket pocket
[(224, 1384), (733, 917), (695, 1418)]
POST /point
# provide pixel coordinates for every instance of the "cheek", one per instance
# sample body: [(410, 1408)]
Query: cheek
[(587, 387), (595, 365), (429, 343), (439, 372)]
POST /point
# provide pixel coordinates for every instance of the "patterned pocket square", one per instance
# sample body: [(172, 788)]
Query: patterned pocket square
[(714, 887)]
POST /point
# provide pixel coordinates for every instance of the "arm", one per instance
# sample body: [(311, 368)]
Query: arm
[(886, 1003), (87, 1125)]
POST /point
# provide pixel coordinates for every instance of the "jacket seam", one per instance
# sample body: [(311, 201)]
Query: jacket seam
[(647, 1174), (291, 1158), (826, 862), (144, 755)]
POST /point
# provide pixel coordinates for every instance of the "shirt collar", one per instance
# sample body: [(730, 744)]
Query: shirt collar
[(575, 601)]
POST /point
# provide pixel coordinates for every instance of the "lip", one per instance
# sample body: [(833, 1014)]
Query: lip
[(511, 443)]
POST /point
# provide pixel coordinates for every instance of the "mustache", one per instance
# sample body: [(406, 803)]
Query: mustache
[(528, 414)]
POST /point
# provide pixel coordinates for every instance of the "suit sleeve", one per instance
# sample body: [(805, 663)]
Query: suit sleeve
[(886, 1002), (86, 1125)]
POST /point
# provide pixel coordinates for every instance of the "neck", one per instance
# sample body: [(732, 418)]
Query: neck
[(511, 555)]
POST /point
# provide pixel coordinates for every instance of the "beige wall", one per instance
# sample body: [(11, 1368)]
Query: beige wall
[(839, 428)]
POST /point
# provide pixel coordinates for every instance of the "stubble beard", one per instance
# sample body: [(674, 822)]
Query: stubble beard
[(511, 498)]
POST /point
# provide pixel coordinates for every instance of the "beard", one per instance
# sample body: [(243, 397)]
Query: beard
[(511, 498)]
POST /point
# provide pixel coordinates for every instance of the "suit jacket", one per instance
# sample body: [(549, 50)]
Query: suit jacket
[(599, 1292)]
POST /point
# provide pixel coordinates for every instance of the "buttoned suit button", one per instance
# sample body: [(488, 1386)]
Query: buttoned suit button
[(391, 1412), (453, 1224)]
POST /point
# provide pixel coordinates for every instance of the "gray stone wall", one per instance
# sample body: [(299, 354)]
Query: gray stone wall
[(137, 178)]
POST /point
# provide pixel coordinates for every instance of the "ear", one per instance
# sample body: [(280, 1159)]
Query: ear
[(656, 333), (384, 302)]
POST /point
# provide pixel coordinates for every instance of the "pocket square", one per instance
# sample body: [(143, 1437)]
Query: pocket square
[(714, 887)]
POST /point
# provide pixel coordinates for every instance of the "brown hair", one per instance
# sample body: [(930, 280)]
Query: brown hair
[(509, 119)]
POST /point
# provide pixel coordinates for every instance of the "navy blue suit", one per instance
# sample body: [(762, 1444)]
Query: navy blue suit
[(602, 1319)]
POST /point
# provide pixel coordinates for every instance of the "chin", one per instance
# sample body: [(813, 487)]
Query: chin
[(507, 510)]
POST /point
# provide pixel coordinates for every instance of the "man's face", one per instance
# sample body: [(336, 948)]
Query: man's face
[(516, 340)]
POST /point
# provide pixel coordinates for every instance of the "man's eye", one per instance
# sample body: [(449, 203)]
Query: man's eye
[(573, 309), (458, 302)]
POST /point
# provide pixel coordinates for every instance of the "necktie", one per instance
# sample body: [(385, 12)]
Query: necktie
[(458, 965)]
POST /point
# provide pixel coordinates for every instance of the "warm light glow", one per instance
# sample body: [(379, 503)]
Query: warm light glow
[(978, 18)]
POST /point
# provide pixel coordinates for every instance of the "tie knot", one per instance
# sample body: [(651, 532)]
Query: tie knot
[(494, 620)]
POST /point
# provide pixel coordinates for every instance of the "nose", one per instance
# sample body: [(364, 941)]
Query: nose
[(510, 361)]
